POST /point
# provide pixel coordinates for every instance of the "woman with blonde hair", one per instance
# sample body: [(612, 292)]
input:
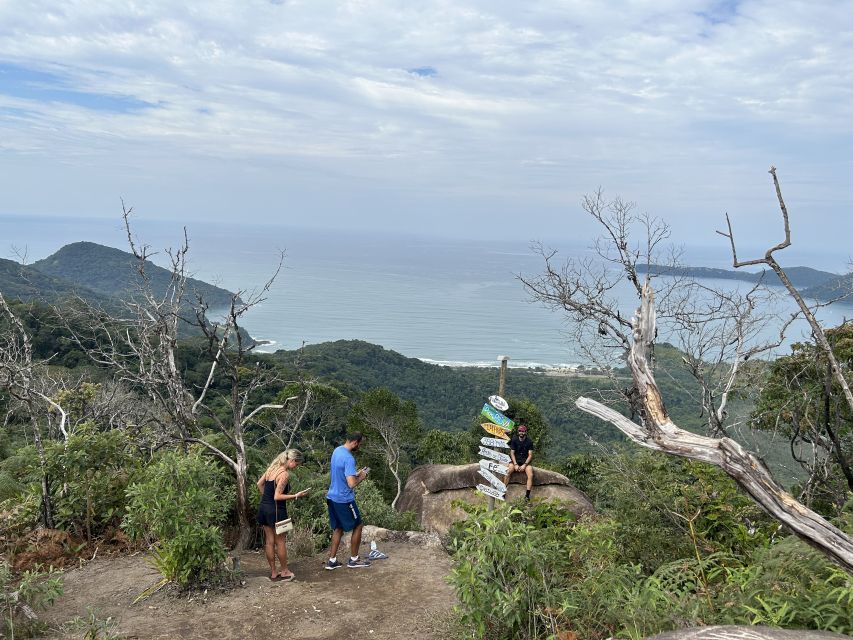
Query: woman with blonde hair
[(274, 486)]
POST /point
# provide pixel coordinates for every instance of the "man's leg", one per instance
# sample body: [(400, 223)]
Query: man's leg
[(355, 540), (337, 534), (510, 467), (529, 471)]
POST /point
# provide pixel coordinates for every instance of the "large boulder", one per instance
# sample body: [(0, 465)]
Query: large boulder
[(432, 488), (733, 632)]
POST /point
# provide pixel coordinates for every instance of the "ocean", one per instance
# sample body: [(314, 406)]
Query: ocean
[(446, 301)]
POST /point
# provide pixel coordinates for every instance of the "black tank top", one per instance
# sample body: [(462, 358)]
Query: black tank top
[(269, 492)]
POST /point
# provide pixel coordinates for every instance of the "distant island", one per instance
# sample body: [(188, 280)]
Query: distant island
[(812, 283)]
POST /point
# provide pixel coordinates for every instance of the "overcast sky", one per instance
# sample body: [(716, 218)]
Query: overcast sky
[(467, 118)]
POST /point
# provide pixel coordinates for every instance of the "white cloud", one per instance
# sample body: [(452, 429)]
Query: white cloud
[(679, 105)]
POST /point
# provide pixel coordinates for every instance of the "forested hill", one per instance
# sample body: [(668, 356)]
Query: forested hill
[(450, 398), (23, 282), (111, 272), (801, 277)]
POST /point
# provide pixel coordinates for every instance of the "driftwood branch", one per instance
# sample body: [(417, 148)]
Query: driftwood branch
[(656, 431)]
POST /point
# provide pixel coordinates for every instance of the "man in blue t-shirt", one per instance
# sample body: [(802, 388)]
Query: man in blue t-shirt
[(343, 511)]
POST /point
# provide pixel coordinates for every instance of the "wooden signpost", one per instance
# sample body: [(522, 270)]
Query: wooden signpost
[(495, 442), (490, 491), (495, 455), (495, 430), (494, 467), (497, 426)]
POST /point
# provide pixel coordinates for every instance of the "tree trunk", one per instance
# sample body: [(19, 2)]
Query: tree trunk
[(245, 527), (46, 502)]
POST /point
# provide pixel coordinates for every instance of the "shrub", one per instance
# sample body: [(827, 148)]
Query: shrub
[(89, 474), (507, 570), (178, 503)]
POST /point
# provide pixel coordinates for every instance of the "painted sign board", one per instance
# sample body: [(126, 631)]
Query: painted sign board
[(494, 467), (498, 403), (490, 491), (495, 430), (497, 417), (494, 455), (495, 442), (493, 479)]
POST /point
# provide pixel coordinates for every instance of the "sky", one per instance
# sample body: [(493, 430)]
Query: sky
[(465, 118)]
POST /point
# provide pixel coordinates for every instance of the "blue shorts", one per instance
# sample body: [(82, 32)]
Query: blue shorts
[(343, 515)]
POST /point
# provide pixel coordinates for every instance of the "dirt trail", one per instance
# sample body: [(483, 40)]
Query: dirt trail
[(405, 596)]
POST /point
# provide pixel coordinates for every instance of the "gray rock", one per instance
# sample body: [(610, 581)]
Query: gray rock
[(733, 632), (431, 489)]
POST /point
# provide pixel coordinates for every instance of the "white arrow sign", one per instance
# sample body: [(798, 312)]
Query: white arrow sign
[(490, 491), (493, 467), (494, 442), (493, 480), (494, 455)]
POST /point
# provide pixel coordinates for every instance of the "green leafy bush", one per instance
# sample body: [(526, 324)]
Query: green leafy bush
[(178, 503), (89, 474), (690, 551), (507, 570)]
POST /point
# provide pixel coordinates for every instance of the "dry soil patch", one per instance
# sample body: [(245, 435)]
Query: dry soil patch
[(405, 596)]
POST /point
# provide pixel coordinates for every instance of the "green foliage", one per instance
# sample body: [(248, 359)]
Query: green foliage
[(802, 400), (392, 429), (179, 501), (376, 511), (35, 590), (505, 570), (443, 447), (677, 545), (446, 396), (89, 473), (652, 497)]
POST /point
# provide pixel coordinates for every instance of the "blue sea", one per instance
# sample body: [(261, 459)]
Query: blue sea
[(447, 301)]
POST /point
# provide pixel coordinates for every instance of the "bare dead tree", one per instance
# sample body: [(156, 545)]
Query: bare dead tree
[(141, 349), (656, 431), (19, 378), (716, 330)]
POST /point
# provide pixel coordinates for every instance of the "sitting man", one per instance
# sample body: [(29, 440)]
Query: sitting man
[(521, 452)]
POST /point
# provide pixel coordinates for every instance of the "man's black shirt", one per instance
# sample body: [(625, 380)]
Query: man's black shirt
[(521, 448)]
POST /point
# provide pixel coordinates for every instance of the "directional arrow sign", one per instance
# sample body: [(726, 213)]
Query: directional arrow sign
[(497, 417), (490, 491), (494, 442), (493, 479), (495, 430), (493, 467), (494, 455)]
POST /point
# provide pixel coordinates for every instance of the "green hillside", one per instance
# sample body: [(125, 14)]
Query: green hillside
[(23, 282), (449, 398), (111, 272)]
